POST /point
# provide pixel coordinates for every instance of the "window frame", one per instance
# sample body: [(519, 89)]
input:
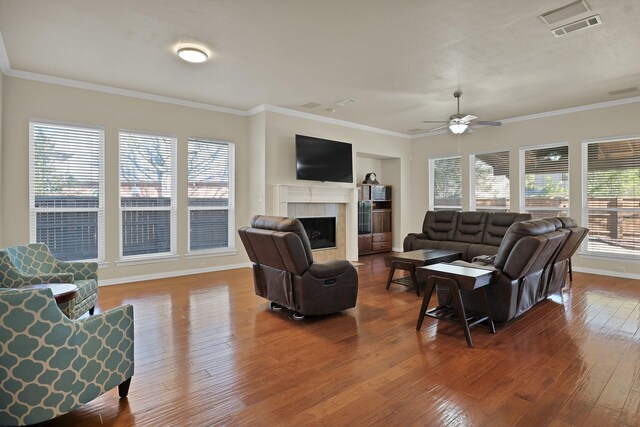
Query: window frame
[(522, 173), (231, 206), (584, 246), (143, 258), (472, 180), (33, 211), (431, 201)]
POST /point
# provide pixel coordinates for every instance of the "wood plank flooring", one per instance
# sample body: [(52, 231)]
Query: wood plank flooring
[(209, 352)]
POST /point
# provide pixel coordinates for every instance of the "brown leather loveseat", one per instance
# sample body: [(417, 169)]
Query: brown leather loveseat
[(531, 264), (471, 233), (285, 274)]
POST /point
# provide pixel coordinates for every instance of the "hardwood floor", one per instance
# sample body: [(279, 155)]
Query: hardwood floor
[(208, 352)]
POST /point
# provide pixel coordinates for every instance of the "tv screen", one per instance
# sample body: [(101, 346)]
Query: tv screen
[(323, 160)]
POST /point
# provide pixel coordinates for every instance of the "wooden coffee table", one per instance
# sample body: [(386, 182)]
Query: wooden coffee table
[(62, 292), (409, 261)]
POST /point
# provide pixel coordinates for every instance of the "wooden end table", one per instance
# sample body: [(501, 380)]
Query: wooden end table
[(409, 261), (62, 292), (456, 278)]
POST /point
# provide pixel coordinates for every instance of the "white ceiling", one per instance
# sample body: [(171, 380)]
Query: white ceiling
[(401, 59)]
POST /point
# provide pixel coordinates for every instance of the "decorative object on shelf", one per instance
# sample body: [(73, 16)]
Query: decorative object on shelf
[(371, 178)]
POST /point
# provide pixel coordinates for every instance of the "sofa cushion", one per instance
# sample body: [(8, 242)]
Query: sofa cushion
[(440, 225), (517, 231), (423, 244), (497, 225), (477, 249), (470, 227)]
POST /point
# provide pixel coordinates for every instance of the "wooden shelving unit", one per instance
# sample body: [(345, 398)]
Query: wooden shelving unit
[(374, 219)]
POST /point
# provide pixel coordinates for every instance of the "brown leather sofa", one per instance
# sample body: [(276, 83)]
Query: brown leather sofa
[(472, 233), (531, 264), (285, 274)]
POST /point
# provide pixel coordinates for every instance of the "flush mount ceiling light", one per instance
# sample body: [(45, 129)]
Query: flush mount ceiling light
[(192, 53)]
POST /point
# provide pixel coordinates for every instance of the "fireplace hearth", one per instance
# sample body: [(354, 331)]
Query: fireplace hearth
[(321, 231)]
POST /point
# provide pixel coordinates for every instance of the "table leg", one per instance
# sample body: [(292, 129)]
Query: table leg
[(414, 279), (425, 301), (392, 270), (488, 311), (459, 307)]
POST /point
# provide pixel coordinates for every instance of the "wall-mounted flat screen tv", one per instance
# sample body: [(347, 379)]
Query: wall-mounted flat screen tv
[(323, 160)]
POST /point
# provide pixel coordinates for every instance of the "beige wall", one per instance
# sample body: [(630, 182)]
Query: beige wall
[(25, 100), (2, 245), (281, 165), (569, 128), (365, 165), (256, 171)]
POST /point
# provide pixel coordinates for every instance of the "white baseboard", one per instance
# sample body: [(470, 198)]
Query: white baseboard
[(606, 273), (154, 276)]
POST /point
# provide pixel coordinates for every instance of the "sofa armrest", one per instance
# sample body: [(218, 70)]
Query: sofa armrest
[(79, 269), (407, 245), (484, 260), (330, 269), (28, 279)]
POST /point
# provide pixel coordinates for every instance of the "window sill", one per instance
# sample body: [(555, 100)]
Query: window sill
[(608, 256), (211, 253), (146, 260)]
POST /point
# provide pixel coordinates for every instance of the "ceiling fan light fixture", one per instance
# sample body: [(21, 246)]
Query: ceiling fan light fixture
[(458, 128)]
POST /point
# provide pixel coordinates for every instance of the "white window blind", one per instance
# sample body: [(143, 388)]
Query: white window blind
[(147, 194), (613, 197), (211, 195), (546, 181), (446, 182), (491, 181), (66, 189)]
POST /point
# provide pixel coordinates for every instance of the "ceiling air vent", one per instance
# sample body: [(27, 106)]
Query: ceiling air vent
[(569, 11), (577, 25), (311, 105)]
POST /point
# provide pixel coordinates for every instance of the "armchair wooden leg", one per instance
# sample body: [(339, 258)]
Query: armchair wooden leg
[(123, 389), (91, 310)]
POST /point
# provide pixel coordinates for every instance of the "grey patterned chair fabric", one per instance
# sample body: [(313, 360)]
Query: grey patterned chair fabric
[(50, 365), (33, 264)]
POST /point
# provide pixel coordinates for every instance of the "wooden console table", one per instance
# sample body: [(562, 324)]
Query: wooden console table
[(456, 278)]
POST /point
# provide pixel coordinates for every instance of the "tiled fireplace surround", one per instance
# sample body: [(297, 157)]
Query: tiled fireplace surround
[(317, 201)]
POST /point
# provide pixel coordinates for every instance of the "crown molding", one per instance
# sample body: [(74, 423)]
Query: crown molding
[(300, 114), (5, 67)]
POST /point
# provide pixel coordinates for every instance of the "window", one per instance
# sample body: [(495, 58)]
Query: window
[(147, 194), (491, 181), (612, 188), (546, 181), (211, 195), (446, 184), (66, 190)]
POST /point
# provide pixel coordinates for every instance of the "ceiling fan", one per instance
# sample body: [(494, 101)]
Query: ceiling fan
[(460, 123)]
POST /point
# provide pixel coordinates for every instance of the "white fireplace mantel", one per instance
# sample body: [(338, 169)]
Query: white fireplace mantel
[(285, 194)]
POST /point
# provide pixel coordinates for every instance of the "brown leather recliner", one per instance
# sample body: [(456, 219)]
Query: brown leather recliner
[(524, 263), (284, 271)]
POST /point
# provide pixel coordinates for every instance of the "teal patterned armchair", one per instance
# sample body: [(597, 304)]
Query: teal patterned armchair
[(33, 263), (50, 364)]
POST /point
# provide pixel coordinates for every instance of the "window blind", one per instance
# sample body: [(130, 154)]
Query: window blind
[(147, 194), (491, 179), (447, 183), (66, 189), (546, 181), (613, 197), (211, 194)]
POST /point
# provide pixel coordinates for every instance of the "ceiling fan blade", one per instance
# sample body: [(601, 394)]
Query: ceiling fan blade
[(435, 121), (438, 128), (488, 123), (468, 118)]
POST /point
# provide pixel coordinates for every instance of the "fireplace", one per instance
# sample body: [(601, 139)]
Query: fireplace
[(321, 231)]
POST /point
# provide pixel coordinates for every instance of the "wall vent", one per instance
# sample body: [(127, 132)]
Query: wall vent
[(311, 105), (577, 25), (415, 130), (346, 101), (569, 11)]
